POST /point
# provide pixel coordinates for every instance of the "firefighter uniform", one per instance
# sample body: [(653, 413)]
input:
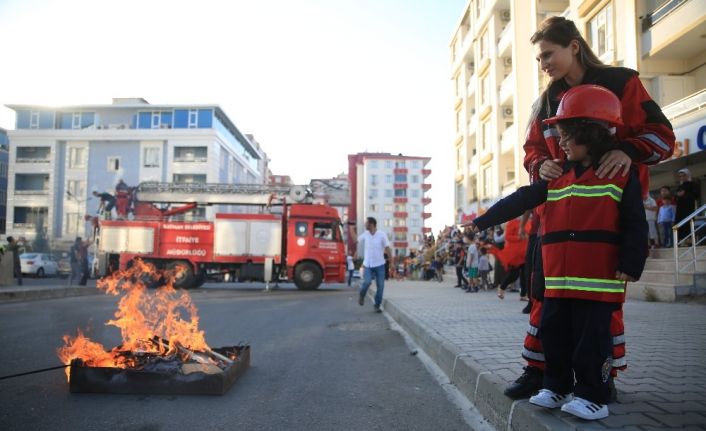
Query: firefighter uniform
[(646, 136)]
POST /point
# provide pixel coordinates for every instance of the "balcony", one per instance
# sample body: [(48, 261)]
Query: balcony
[(33, 155), (505, 40), (400, 244), (507, 89), (663, 34), (426, 201), (508, 140), (400, 200), (426, 172), (399, 229), (426, 230), (426, 215), (400, 214), (399, 171), (35, 192), (691, 103), (399, 186), (426, 187)]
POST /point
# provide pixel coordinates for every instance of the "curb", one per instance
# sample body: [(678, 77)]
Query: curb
[(49, 293), (481, 387)]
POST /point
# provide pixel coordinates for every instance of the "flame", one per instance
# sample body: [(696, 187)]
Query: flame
[(141, 315)]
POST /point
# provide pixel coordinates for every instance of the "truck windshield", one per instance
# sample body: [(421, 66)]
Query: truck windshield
[(327, 231)]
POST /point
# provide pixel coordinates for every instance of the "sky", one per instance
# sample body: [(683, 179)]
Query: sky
[(313, 80)]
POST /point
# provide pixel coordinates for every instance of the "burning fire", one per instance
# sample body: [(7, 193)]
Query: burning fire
[(150, 322)]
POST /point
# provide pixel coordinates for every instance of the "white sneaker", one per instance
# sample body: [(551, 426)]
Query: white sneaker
[(585, 409), (549, 399)]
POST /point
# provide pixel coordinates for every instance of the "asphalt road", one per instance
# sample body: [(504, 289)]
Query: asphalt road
[(319, 362)]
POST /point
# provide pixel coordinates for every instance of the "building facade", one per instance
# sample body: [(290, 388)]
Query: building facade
[(496, 80), (392, 190), (60, 155), (4, 158)]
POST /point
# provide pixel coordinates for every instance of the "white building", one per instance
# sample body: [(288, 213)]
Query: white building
[(59, 155), (496, 80), (391, 189)]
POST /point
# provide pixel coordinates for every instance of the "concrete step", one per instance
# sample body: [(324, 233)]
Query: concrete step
[(666, 277), (659, 292), (668, 253), (668, 265)]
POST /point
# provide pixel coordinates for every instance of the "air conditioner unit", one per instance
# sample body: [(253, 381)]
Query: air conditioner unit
[(505, 15), (507, 112), (507, 61)]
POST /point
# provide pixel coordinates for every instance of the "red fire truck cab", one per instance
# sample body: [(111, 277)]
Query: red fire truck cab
[(303, 243)]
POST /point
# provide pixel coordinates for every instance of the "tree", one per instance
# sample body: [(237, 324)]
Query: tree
[(40, 243)]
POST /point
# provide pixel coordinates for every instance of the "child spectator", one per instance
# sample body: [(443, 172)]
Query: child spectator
[(472, 266), (665, 218), (484, 268)]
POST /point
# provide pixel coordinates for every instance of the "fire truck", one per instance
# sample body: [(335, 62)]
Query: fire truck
[(298, 241)]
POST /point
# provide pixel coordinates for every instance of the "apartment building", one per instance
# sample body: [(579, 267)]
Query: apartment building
[(496, 80), (60, 155), (392, 189), (4, 158)]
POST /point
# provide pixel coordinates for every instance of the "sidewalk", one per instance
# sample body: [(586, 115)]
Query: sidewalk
[(476, 339), (35, 292)]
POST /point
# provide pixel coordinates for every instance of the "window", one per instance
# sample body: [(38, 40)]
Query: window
[(400, 207), (76, 120), (485, 140), (388, 164), (400, 222), (155, 120), (301, 229), (415, 179), (414, 223), (458, 121), (416, 237), (189, 178), (373, 208), (77, 158), (373, 164), (388, 193), (459, 159), (3, 169), (34, 120), (388, 208), (416, 164), (325, 231), (414, 209), (459, 195), (483, 45), (190, 154), (73, 224), (76, 189), (600, 34), (400, 178), (415, 193), (400, 236), (3, 197), (487, 182), (373, 193), (400, 164), (193, 118), (150, 158), (400, 193), (485, 90), (373, 180), (388, 179), (113, 164), (387, 222)]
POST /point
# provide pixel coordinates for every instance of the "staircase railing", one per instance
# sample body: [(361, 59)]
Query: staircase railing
[(696, 236)]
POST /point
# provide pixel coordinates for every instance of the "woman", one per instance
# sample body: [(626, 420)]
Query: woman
[(686, 194), (645, 138)]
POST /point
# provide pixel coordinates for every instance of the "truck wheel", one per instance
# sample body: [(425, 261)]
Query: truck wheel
[(307, 276), (199, 279), (186, 280)]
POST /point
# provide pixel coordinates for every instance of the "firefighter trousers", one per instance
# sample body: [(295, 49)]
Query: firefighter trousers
[(578, 345)]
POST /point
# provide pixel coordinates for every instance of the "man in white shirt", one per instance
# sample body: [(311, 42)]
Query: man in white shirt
[(375, 244)]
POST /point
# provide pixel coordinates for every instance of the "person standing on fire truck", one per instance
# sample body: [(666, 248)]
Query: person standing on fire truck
[(376, 244)]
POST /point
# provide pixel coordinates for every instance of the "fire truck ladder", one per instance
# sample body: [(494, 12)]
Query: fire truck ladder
[(217, 194)]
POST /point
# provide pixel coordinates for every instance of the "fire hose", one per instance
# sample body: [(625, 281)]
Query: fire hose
[(58, 367)]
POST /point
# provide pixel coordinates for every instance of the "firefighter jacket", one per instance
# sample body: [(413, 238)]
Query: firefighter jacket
[(591, 228), (646, 136)]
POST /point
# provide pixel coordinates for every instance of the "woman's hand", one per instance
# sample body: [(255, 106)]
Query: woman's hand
[(623, 276), (550, 169), (612, 163)]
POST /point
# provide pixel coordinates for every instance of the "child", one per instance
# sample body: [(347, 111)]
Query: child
[(665, 218), (472, 265), (594, 239), (484, 268)]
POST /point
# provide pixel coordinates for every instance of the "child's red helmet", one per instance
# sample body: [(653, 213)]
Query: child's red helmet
[(588, 101)]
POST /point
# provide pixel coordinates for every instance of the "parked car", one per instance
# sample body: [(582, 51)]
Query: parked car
[(63, 263), (39, 264)]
